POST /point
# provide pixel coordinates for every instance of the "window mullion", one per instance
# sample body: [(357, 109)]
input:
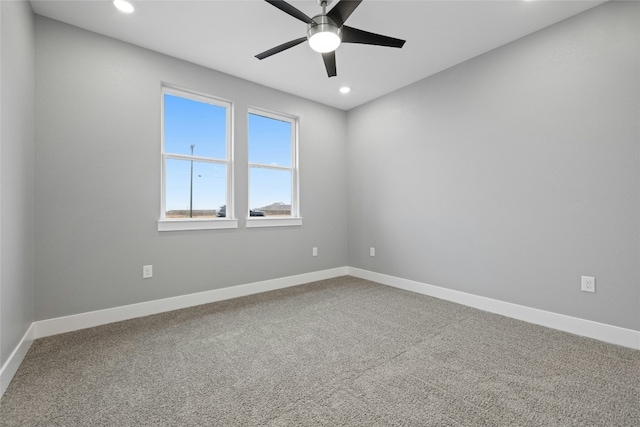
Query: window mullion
[(274, 167), (195, 158)]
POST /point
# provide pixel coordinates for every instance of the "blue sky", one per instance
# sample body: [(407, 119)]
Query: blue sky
[(188, 122)]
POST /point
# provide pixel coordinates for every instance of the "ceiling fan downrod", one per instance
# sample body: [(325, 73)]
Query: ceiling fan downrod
[(323, 4)]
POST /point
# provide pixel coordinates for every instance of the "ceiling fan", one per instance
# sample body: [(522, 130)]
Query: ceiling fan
[(326, 31)]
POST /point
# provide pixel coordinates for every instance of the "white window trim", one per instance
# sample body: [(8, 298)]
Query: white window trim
[(182, 224), (295, 219), (255, 222), (196, 224)]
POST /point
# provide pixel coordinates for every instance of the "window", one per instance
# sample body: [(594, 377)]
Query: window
[(197, 171), (273, 170)]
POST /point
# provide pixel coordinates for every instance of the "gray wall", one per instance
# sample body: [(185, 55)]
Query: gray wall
[(98, 180), (16, 174), (513, 174)]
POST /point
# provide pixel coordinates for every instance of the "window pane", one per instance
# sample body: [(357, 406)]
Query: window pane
[(188, 122), (209, 189), (270, 192), (269, 141)]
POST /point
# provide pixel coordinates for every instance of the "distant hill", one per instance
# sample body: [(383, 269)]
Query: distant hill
[(277, 206)]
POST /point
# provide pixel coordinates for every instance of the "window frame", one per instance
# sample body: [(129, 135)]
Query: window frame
[(295, 219), (181, 224)]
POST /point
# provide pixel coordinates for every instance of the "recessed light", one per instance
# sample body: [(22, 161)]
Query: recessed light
[(345, 89), (123, 6)]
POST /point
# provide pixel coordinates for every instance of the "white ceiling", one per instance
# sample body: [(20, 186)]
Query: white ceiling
[(225, 35)]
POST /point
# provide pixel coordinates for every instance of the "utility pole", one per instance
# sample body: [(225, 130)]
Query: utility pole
[(191, 186)]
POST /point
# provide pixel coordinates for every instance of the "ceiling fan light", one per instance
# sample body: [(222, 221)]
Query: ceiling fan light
[(324, 42)]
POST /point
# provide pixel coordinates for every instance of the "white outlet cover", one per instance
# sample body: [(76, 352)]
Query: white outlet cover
[(147, 271), (588, 284)]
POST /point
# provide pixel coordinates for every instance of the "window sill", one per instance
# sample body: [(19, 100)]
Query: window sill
[(196, 224), (254, 222)]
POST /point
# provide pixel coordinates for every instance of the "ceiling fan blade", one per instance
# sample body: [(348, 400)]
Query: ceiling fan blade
[(278, 49), (287, 8), (342, 11), (353, 35), (330, 63)]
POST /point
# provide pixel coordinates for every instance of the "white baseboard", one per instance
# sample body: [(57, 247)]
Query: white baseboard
[(9, 369), (59, 325), (574, 325)]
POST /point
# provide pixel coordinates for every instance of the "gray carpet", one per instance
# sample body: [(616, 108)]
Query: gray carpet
[(339, 352)]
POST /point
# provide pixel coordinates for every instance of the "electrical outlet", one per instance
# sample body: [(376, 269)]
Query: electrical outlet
[(372, 251), (147, 271), (315, 251), (588, 284)]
